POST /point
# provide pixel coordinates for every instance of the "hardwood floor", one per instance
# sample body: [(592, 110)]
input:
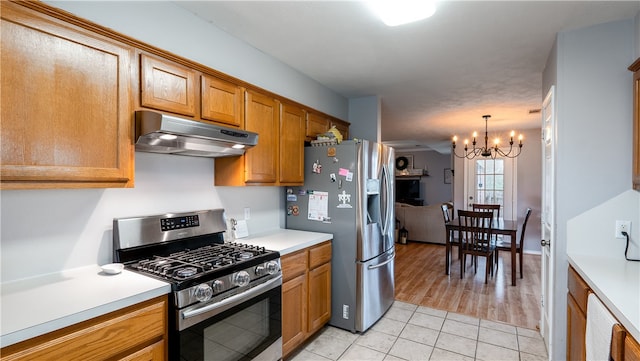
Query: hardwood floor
[(421, 280)]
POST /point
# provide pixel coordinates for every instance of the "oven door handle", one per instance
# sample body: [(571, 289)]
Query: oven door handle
[(240, 297)]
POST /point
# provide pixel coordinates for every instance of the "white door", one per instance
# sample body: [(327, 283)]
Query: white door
[(547, 217), (492, 181)]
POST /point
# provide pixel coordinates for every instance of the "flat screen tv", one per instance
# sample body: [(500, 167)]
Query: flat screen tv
[(407, 189)]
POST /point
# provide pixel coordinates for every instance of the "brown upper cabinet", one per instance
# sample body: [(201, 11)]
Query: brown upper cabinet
[(278, 159), (167, 86), (261, 117), (291, 154), (66, 104), (635, 68), (222, 101), (318, 124), (67, 117)]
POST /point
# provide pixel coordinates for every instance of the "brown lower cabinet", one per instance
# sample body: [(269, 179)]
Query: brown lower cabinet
[(135, 333), (623, 346), (306, 294)]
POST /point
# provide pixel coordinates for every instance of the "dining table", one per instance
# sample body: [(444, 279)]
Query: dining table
[(500, 226)]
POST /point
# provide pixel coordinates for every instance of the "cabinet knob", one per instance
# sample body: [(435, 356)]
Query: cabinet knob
[(544, 243)]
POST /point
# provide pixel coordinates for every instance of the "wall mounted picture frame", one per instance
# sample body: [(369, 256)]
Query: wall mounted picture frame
[(448, 176)]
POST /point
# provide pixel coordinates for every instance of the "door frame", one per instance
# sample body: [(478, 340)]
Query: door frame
[(547, 218)]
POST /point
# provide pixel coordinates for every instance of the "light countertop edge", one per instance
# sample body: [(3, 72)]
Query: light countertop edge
[(616, 282), (80, 294), (39, 305), (286, 241)]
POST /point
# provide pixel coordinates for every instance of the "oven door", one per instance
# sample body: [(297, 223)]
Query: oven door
[(246, 326)]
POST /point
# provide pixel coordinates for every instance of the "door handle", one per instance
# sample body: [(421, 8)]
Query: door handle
[(545, 243)]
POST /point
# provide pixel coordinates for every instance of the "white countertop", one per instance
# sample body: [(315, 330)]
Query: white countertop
[(286, 240), (616, 282), (35, 306)]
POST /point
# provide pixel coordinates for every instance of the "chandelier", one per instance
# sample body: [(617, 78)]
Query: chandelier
[(486, 151)]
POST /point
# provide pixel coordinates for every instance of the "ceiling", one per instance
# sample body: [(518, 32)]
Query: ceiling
[(436, 77)]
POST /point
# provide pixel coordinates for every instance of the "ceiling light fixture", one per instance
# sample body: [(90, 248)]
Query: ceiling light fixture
[(399, 12), (486, 151)]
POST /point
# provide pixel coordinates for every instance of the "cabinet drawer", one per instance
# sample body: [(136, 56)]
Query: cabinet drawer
[(623, 346), (294, 264), (320, 254), (101, 338), (151, 352), (578, 288)]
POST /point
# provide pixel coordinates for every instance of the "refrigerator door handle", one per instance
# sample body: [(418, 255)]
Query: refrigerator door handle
[(385, 199), (383, 263)]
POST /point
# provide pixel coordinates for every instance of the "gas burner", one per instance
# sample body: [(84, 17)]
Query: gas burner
[(185, 272), (245, 255)]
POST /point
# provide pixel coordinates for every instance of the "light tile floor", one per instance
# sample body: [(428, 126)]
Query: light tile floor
[(411, 332)]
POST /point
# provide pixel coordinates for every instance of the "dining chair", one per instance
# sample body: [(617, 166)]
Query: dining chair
[(447, 213), (475, 228), (495, 209), (479, 207), (504, 245)]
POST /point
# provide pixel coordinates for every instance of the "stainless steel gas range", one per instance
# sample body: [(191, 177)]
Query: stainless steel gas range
[(226, 297)]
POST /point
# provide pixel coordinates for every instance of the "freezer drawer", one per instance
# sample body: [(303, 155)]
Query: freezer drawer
[(375, 289)]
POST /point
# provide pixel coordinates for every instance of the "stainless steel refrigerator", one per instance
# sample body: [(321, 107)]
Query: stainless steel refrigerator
[(348, 191)]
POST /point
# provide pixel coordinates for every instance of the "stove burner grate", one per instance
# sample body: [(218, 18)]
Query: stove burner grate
[(185, 272)]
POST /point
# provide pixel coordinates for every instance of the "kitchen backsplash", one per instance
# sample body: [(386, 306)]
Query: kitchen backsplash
[(46, 231), (593, 232)]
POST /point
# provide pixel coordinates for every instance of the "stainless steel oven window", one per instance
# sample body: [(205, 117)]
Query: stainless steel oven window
[(250, 330), (238, 334)]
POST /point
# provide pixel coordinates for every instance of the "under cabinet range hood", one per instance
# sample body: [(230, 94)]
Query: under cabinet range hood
[(161, 133)]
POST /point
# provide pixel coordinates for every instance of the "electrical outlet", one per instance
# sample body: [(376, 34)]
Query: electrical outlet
[(622, 226), (247, 213)]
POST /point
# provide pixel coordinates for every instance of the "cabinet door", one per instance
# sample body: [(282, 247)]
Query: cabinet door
[(576, 330), (316, 124), (221, 101), (167, 86), (261, 116), (294, 311), (319, 297), (292, 128), (66, 105)]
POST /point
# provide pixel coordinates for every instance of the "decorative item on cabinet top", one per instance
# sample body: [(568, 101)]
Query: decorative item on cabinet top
[(161, 133)]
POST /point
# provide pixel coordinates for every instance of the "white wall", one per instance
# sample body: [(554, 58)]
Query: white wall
[(594, 127), (365, 117), (46, 231), (584, 239)]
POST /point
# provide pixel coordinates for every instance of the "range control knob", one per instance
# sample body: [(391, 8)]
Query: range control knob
[(272, 267), (203, 292), (241, 279), (218, 286), (260, 270)]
